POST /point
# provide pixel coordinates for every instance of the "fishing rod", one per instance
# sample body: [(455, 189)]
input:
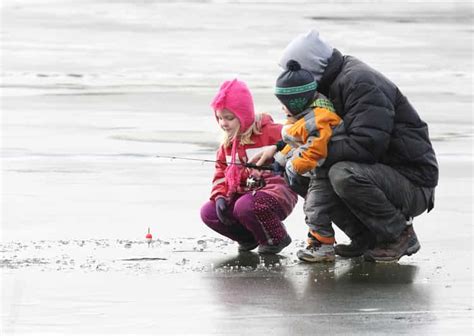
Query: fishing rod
[(247, 165)]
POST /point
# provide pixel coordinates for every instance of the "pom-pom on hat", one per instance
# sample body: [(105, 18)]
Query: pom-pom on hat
[(235, 96), (295, 88)]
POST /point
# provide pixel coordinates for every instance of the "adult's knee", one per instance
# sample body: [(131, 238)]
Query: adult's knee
[(341, 176)]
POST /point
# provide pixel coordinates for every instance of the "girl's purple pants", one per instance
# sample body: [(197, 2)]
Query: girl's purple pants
[(257, 218)]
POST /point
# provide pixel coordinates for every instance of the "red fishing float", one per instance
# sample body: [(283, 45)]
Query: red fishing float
[(148, 237)]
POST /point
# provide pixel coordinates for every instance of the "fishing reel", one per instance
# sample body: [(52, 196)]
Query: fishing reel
[(254, 182)]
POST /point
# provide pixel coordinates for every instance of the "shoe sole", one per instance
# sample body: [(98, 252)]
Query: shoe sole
[(268, 250), (338, 252), (412, 250), (248, 249), (349, 255), (307, 258)]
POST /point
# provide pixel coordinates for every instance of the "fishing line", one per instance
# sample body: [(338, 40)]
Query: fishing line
[(247, 165)]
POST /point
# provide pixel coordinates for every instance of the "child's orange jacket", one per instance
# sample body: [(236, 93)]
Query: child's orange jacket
[(307, 137)]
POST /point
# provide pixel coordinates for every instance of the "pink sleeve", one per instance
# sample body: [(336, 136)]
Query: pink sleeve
[(219, 187)]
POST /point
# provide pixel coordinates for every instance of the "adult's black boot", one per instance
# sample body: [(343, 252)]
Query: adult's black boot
[(407, 244), (358, 246)]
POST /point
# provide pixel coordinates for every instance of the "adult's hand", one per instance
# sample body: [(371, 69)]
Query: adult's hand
[(221, 210), (263, 156)]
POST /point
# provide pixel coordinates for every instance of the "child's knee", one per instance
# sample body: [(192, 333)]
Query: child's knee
[(244, 208), (208, 212)]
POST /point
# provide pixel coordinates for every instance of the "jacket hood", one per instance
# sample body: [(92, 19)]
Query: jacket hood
[(265, 119), (310, 51), (235, 96)]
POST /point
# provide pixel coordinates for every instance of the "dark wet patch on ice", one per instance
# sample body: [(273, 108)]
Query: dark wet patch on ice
[(250, 261), (74, 75), (447, 136), (193, 250), (117, 128), (15, 263), (379, 273), (395, 19)]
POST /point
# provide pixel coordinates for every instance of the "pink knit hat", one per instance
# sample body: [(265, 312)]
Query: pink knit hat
[(235, 96)]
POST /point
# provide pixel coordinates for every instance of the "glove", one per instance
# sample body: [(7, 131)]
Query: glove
[(299, 184), (221, 210), (277, 168)]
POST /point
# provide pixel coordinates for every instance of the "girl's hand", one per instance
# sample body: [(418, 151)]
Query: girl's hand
[(221, 210), (263, 156)]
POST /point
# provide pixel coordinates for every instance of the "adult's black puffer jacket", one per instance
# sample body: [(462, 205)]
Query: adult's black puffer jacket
[(380, 124)]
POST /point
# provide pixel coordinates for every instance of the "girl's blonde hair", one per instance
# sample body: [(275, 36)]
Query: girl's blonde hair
[(246, 137)]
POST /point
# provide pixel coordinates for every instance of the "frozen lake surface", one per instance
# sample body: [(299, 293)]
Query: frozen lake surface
[(92, 91)]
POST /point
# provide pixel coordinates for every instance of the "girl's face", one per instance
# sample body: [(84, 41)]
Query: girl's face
[(228, 121)]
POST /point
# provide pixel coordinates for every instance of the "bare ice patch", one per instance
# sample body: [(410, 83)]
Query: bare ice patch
[(204, 139)]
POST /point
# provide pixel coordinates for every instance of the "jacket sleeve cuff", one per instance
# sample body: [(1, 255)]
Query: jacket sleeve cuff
[(280, 145)]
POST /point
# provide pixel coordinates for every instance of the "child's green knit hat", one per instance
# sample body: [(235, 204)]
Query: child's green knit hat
[(295, 88)]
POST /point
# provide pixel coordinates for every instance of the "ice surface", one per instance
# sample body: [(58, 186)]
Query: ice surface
[(92, 91)]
